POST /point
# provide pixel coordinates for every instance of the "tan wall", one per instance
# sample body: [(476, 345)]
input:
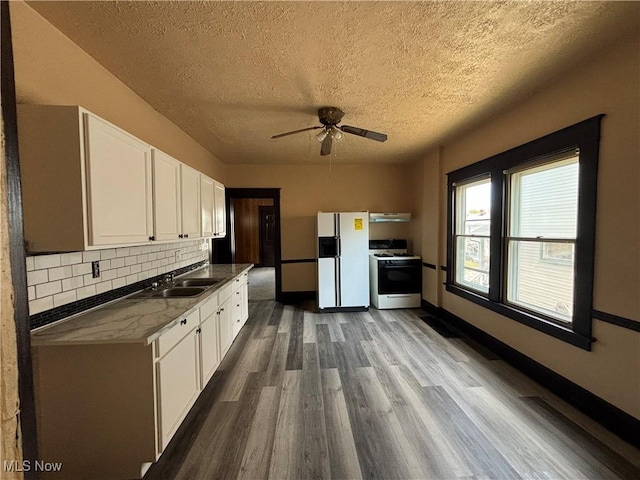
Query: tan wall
[(430, 200), (307, 189), (608, 84), (52, 70)]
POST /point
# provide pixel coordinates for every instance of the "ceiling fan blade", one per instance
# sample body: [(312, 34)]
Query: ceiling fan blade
[(326, 145), (378, 137), (297, 131)]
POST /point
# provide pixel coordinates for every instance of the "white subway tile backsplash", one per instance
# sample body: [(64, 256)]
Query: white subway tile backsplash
[(107, 254), (49, 288), (117, 263), (37, 276), (81, 269), (40, 305), (90, 256), (72, 283), (89, 280), (124, 271), (64, 298), (85, 292), (59, 273), (58, 279), (71, 258), (103, 287), (46, 261)]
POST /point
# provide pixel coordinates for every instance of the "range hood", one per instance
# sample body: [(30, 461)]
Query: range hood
[(389, 217)]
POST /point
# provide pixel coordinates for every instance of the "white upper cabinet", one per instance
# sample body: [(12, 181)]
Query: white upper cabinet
[(167, 215), (86, 183), (191, 216), (206, 205), (220, 215)]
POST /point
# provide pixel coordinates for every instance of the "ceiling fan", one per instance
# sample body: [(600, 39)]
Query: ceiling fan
[(330, 117)]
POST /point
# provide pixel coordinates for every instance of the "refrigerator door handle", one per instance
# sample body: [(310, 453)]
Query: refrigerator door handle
[(339, 247), (338, 283)]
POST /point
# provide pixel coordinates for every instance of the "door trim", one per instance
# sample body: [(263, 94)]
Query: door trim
[(16, 246)]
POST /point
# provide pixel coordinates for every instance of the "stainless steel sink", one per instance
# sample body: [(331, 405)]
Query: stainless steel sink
[(170, 292), (196, 282)]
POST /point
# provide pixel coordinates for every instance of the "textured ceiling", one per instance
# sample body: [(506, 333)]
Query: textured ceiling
[(232, 74)]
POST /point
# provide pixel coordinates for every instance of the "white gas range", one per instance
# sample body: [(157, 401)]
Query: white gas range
[(395, 276)]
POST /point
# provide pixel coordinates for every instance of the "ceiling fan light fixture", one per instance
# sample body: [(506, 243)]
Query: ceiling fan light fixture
[(336, 133), (322, 135)]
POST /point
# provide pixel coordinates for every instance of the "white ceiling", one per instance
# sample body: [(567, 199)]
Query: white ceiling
[(232, 74)]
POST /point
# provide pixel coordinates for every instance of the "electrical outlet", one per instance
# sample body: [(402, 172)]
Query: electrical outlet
[(178, 255), (95, 269)]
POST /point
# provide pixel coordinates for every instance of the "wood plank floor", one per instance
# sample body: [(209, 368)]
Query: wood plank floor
[(379, 395)]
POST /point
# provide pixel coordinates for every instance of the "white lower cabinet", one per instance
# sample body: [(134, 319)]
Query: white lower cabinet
[(109, 410), (178, 384), (209, 347)]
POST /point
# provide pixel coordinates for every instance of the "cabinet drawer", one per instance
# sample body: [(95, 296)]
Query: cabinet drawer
[(208, 307), (170, 338), (225, 292)]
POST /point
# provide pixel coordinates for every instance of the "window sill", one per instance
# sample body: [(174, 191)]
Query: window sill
[(538, 323)]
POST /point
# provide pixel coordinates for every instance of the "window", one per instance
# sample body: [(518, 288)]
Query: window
[(543, 205), (522, 232), (473, 223)]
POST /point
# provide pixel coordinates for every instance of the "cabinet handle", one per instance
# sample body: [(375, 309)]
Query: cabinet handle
[(183, 321), (237, 304), (152, 238), (222, 309), (181, 236), (186, 235), (198, 330)]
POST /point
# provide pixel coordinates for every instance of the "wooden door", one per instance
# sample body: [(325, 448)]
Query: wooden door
[(118, 172), (267, 236)]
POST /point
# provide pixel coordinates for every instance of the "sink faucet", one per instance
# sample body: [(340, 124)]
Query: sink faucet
[(168, 278)]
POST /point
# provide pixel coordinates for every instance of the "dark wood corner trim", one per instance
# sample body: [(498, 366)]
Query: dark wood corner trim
[(616, 320), (16, 246), (429, 265), (300, 260), (443, 268), (619, 422)]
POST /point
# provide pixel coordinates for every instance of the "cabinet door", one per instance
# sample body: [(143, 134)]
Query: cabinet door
[(220, 211), (226, 328), (245, 301), (206, 205), (118, 184), (190, 194), (166, 196), (178, 385), (209, 348)]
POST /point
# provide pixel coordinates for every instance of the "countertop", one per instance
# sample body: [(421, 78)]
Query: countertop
[(129, 320)]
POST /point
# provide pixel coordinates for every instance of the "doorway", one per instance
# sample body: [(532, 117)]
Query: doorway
[(253, 226)]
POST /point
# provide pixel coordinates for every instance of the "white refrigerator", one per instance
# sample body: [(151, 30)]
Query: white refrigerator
[(343, 261)]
